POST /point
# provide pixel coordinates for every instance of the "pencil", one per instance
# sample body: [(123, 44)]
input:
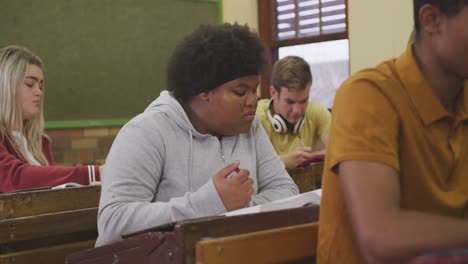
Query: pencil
[(300, 139)]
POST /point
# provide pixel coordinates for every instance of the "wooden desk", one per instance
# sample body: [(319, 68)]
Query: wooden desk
[(47, 224), (308, 178), (175, 242), (279, 245)]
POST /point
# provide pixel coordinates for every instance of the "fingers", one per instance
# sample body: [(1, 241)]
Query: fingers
[(235, 192), (226, 171), (247, 184), (304, 149), (308, 155), (241, 176)]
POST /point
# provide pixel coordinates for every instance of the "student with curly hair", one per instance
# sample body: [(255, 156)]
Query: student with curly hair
[(396, 172), (198, 149), (26, 159)]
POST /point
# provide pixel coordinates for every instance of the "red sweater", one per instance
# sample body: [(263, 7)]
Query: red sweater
[(17, 174)]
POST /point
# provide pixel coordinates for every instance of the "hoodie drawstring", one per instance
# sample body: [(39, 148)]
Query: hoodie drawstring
[(190, 160)]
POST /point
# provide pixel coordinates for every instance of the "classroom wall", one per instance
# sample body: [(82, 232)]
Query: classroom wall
[(378, 30), (241, 11), (82, 145)]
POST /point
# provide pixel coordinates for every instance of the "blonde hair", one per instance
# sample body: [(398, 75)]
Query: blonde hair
[(14, 62), (292, 72)]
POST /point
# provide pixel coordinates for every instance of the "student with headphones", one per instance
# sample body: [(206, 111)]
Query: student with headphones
[(298, 128)]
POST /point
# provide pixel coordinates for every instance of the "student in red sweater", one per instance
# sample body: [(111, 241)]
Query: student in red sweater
[(26, 159)]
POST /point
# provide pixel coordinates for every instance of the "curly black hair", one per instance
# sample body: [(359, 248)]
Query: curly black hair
[(448, 7), (213, 55)]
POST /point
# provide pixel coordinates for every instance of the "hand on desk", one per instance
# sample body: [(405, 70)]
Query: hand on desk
[(235, 192), (101, 170), (300, 157)]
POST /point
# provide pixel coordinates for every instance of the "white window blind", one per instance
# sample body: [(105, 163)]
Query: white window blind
[(297, 19)]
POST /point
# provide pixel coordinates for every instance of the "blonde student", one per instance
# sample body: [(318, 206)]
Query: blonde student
[(26, 159)]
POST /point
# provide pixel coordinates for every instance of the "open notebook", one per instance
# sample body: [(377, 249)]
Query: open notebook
[(73, 184), (303, 199)]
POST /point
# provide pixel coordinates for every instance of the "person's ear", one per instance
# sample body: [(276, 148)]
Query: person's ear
[(204, 96), (431, 19), (272, 91)]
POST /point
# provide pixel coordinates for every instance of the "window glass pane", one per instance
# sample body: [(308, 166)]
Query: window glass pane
[(329, 63)]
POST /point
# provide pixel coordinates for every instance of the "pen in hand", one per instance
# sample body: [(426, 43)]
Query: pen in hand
[(300, 139), (237, 170)]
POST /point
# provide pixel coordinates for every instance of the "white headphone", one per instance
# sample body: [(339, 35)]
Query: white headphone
[(280, 125)]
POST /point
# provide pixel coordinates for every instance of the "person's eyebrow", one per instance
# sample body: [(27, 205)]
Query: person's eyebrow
[(245, 85), (32, 77), (35, 79), (297, 101), (242, 85)]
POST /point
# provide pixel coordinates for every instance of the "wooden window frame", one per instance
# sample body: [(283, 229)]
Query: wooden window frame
[(268, 33)]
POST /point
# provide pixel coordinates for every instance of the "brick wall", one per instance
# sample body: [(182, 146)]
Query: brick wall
[(82, 145)]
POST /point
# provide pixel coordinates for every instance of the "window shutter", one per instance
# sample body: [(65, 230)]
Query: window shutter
[(297, 19)]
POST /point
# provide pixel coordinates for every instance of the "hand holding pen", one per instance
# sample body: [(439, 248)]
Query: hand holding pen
[(317, 156), (299, 157), (235, 192)]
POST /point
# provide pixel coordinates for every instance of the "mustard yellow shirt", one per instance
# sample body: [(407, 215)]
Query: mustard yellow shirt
[(316, 126), (390, 115)]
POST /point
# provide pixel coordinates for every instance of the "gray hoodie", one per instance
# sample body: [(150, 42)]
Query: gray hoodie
[(160, 170)]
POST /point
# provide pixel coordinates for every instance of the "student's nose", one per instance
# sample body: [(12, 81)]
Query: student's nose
[(252, 100), (38, 90), (297, 109)]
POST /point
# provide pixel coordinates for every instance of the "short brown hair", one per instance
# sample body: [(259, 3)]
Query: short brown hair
[(292, 72)]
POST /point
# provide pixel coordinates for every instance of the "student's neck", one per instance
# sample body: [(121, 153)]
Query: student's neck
[(446, 85), (195, 118)]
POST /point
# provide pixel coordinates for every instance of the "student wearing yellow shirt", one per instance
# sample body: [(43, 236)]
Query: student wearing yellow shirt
[(298, 128), (396, 173)]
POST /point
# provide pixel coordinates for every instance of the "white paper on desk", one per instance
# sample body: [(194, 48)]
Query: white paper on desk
[(66, 185), (312, 197)]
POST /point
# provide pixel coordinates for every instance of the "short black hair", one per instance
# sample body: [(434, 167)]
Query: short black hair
[(213, 55), (448, 7)]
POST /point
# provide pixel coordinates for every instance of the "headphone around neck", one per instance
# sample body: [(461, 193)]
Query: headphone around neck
[(281, 125)]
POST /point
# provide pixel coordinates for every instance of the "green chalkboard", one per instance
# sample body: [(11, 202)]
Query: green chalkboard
[(105, 59)]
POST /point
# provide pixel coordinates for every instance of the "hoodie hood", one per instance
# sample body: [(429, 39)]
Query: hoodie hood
[(167, 104)]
